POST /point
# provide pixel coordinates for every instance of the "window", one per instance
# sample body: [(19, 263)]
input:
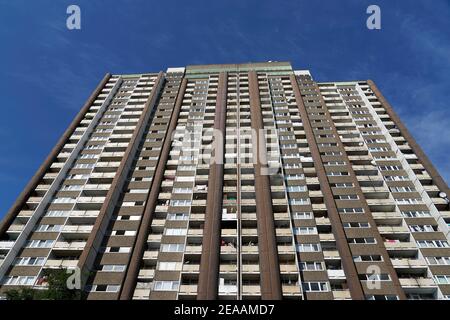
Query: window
[(172, 247), (351, 210), (408, 201), (381, 297), (332, 153), (180, 203), (305, 230), (49, 228), (71, 187), (441, 279), (347, 197), (315, 286), (340, 173), (166, 285), (388, 168), (362, 240), (130, 218), (308, 247), (395, 178), (375, 277), (402, 189), (416, 214), (301, 201), (113, 267), (297, 188), (123, 233), (438, 260), (378, 149), (84, 166), (356, 225), (182, 190), (311, 266), (105, 288), (367, 258), (118, 249), (64, 200), (137, 190), (295, 177), (57, 213), (420, 296), (342, 185), (19, 281), (169, 266), (335, 163), (302, 215), (40, 243), (421, 228), (177, 216), (175, 231), (432, 244), (30, 261)]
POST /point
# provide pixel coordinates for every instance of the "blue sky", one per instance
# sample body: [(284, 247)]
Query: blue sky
[(47, 71)]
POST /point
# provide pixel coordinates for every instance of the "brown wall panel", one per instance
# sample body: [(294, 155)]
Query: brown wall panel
[(210, 258), (267, 243)]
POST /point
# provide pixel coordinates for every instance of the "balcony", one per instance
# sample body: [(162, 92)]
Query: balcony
[(76, 230), (188, 289), (250, 249), (291, 290), (228, 268), (195, 232), (225, 249), (331, 254), (42, 187), (15, 228), (150, 255), (393, 230), (336, 274), (417, 283), (158, 222), (97, 187), (288, 268), (58, 264), (319, 207), (387, 216), (341, 295), (141, 294), (69, 246), (250, 268), (88, 200), (227, 289), (322, 221), (193, 250), (281, 216), (251, 290), (400, 245), (83, 216), (146, 274), (409, 263), (191, 268), (154, 238), (6, 245), (249, 232), (25, 214), (248, 216), (285, 232), (197, 217), (326, 237)]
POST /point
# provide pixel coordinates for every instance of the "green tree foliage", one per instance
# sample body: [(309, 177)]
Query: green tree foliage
[(56, 289)]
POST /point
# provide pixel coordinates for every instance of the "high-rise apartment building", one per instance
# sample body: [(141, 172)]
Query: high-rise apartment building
[(239, 181)]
